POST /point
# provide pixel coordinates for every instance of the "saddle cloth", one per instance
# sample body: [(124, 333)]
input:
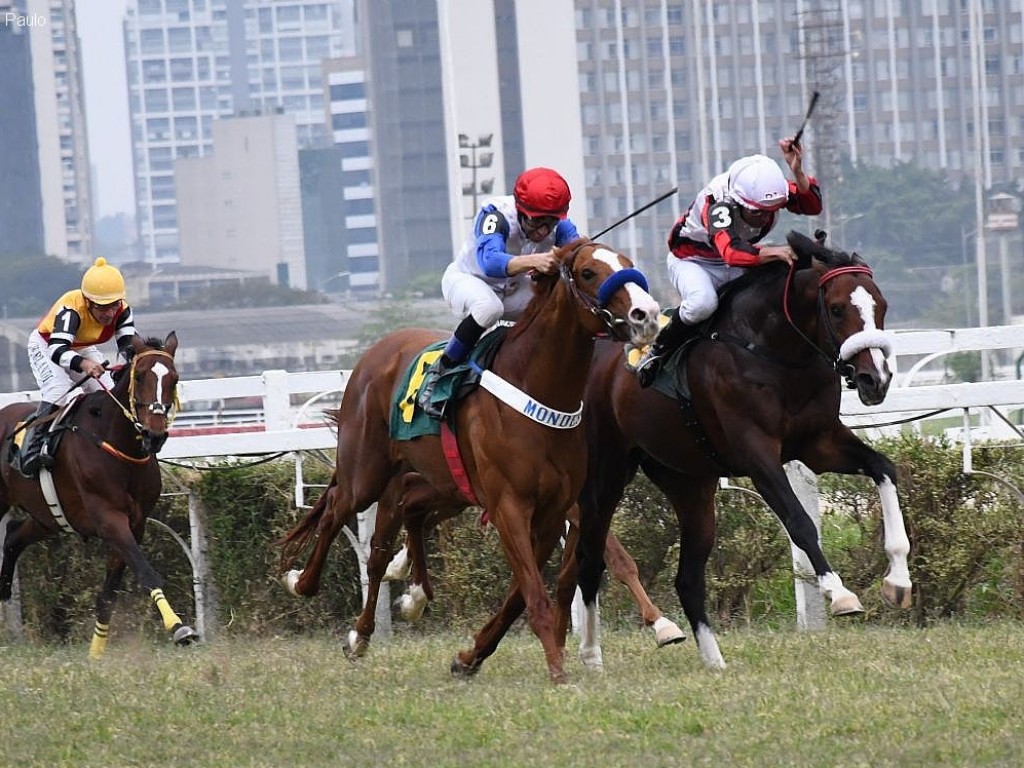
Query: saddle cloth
[(407, 420)]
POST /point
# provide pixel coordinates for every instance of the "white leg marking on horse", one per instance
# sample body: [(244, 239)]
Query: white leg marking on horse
[(707, 644), (590, 638), (290, 579), (843, 600), (897, 545), (400, 566), (412, 604)]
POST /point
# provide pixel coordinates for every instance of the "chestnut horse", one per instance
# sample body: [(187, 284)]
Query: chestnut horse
[(764, 384), (106, 479), (526, 474)]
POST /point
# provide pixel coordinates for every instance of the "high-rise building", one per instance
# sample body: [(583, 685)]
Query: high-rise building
[(193, 61), (45, 161), (672, 92)]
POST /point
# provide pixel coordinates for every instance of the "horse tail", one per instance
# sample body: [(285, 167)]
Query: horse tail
[(294, 542)]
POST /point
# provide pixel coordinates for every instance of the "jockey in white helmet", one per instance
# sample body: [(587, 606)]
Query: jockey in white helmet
[(716, 239)]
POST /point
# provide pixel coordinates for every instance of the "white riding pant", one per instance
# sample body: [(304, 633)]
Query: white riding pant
[(468, 294), (698, 280), (55, 382)]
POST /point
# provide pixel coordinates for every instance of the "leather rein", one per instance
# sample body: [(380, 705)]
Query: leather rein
[(131, 413)]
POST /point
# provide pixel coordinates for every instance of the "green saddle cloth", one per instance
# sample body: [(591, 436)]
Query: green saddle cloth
[(407, 420)]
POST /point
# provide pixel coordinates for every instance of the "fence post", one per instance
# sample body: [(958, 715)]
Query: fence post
[(810, 605), (205, 590), (361, 543)]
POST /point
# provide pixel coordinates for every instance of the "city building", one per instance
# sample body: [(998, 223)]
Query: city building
[(191, 62), (44, 172), (239, 205)]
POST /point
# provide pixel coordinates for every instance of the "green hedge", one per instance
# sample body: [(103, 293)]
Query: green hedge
[(966, 558)]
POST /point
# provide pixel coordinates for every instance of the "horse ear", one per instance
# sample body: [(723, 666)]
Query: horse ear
[(171, 343), (804, 248), (138, 343)]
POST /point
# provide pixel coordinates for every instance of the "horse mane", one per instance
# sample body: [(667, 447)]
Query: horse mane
[(153, 342), (543, 285), (807, 251)]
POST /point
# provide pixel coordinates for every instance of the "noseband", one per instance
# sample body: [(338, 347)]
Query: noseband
[(597, 306), (841, 366)]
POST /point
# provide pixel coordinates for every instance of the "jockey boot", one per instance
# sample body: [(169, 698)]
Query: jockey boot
[(669, 339), (30, 457), (458, 349)]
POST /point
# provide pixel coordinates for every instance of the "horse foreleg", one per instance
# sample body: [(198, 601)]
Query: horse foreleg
[(525, 551), (773, 485), (105, 604), (842, 451), (125, 543)]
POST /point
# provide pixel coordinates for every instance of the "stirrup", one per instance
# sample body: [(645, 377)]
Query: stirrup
[(423, 398), (647, 367)]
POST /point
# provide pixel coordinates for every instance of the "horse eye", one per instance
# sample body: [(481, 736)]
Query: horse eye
[(587, 274), (837, 310)]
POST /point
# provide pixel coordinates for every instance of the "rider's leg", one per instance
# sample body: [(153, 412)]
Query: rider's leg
[(474, 300), (459, 347), (31, 458)]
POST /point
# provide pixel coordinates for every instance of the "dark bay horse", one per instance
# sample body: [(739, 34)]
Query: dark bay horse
[(765, 385), (106, 478), (525, 473)]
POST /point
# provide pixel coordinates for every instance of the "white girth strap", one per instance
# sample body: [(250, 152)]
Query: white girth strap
[(50, 494), (526, 405)]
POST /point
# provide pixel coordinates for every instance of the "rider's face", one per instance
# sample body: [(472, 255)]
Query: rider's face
[(104, 314), (757, 217), (538, 227)]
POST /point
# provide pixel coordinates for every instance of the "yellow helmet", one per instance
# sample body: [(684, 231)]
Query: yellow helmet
[(102, 283)]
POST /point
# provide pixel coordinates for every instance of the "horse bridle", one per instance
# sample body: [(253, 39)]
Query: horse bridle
[(842, 367), (156, 408), (597, 306)]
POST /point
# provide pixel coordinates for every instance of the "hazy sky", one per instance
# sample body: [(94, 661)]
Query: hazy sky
[(106, 103)]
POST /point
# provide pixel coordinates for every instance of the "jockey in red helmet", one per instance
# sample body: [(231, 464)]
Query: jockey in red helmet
[(716, 239), (489, 279)]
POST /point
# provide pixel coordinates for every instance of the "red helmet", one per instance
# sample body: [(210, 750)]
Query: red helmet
[(542, 192)]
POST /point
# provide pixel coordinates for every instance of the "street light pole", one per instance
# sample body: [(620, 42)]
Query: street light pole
[(474, 162)]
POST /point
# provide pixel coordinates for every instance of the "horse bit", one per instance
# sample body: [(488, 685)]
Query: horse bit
[(598, 306)]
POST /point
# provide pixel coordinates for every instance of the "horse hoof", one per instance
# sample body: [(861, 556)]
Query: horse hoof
[(847, 605), (354, 645), (412, 604), (592, 658), (897, 595), (290, 581), (667, 632), (459, 669), (185, 635)]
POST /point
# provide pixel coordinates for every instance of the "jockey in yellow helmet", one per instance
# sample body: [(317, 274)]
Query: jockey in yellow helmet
[(63, 347)]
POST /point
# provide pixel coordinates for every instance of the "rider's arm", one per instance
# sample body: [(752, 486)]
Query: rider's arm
[(721, 220), (805, 203), (65, 327), (491, 230), (124, 331), (565, 232)]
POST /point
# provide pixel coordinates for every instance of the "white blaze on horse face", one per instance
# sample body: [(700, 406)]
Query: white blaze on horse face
[(871, 337), (159, 370), (641, 303)]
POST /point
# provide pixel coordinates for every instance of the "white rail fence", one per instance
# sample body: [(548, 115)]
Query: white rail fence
[(281, 412)]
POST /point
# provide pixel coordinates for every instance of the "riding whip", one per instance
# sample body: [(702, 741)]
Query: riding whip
[(637, 212), (810, 109)]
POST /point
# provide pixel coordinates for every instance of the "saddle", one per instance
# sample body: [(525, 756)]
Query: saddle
[(54, 434), (407, 420)]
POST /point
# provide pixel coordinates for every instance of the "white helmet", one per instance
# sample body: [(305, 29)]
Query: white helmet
[(757, 182)]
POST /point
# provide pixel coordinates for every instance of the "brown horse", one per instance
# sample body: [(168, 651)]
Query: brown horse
[(526, 474), (764, 389), (405, 566), (106, 479)]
